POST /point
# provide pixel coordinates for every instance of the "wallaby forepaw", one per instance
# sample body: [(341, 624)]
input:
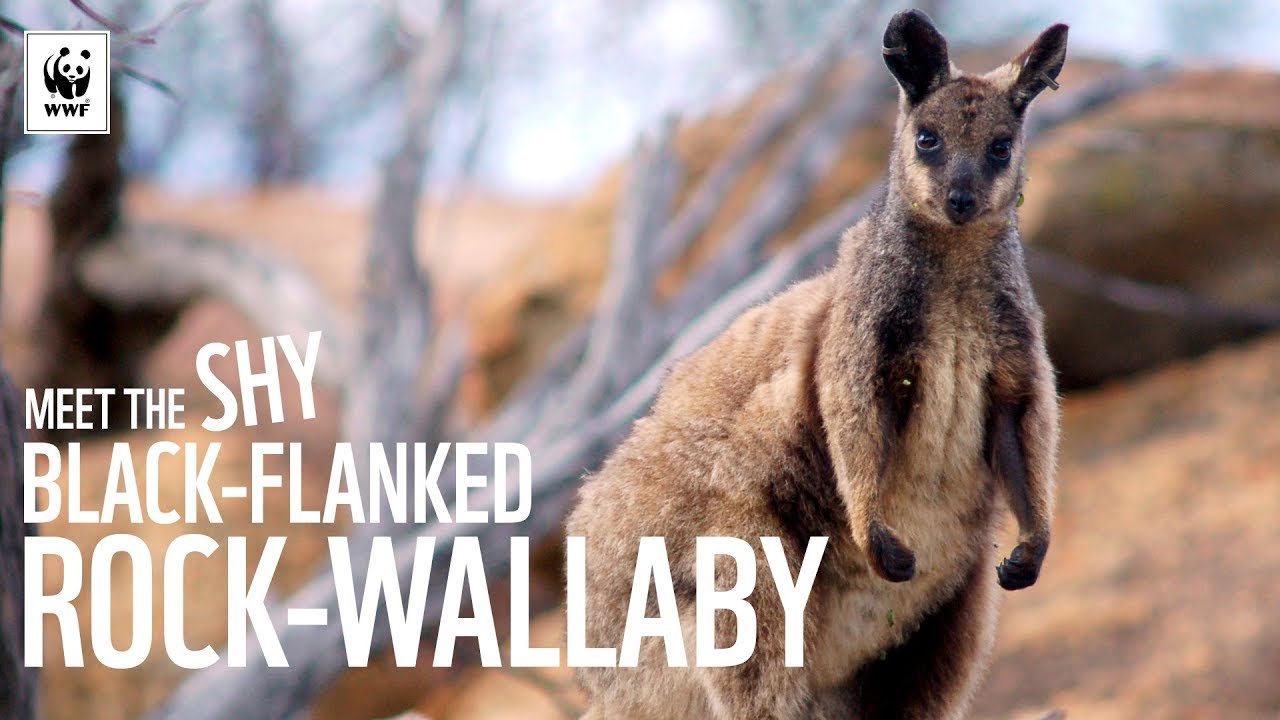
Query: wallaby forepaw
[(890, 557), (1022, 568)]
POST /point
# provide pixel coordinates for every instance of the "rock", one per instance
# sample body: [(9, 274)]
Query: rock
[(1175, 185)]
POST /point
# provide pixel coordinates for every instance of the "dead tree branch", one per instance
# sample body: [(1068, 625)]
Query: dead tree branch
[(626, 297), (697, 212), (448, 361), (144, 264), (1053, 110), (280, 151), (379, 399), (395, 324), (10, 60), (811, 153), (145, 36), (1142, 296), (10, 76), (18, 683), (803, 161), (88, 340)]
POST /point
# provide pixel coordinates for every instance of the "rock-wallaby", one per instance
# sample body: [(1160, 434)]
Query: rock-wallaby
[(884, 404)]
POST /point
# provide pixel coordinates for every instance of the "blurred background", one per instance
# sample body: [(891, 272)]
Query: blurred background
[(509, 217)]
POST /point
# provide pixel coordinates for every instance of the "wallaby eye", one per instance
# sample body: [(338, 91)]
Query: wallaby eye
[(926, 140), (1001, 149)]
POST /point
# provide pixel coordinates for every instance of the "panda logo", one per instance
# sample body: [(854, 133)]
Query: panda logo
[(67, 75)]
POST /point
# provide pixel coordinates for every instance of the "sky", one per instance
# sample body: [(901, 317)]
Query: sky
[(575, 80)]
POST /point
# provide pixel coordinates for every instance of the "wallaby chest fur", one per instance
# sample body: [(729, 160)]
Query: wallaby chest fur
[(883, 404)]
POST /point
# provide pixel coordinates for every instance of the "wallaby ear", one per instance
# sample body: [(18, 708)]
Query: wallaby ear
[(1038, 67), (916, 54)]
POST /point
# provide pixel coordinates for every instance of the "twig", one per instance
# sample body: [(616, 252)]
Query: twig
[(447, 215), (11, 26), (146, 36), (1057, 109), (1143, 296), (172, 16), (20, 701), (99, 18), (10, 79), (146, 79), (279, 150)]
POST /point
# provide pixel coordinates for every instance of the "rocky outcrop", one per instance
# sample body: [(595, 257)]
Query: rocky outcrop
[(1175, 186)]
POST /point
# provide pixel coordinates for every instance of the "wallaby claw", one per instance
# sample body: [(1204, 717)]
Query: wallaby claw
[(1022, 568), (890, 557)]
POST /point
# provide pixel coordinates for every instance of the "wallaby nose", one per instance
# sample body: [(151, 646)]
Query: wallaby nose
[(960, 204)]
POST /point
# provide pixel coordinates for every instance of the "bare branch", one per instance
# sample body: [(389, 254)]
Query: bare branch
[(1143, 296), (805, 160), (146, 79), (1055, 110), (10, 78), (171, 17), (145, 264), (11, 26), (531, 398), (449, 359), (397, 313), (697, 212), (18, 683), (627, 295), (279, 149), (146, 36), (99, 18)]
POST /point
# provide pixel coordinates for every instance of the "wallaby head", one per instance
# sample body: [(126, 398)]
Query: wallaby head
[(957, 155)]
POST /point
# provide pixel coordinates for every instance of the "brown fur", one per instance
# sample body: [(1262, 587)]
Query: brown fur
[(880, 404)]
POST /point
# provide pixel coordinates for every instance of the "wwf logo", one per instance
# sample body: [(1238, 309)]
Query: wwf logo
[(67, 74), (67, 81)]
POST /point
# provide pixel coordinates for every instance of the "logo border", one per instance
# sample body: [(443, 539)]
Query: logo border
[(26, 74)]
